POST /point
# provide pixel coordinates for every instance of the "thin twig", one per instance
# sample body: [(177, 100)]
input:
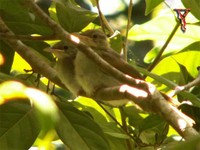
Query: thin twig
[(125, 127), (26, 37), (193, 83), (125, 49), (100, 16), (103, 20), (137, 141)]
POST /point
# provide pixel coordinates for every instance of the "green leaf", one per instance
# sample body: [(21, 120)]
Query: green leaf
[(159, 28), (155, 127), (10, 11), (151, 4), (164, 84), (190, 59), (113, 132), (167, 74), (194, 6), (186, 75), (149, 57), (78, 131), (169, 69), (5, 77), (19, 126), (20, 20), (151, 122), (66, 12), (133, 116), (89, 105)]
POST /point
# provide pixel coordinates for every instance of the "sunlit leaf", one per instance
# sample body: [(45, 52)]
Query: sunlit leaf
[(169, 69), (11, 90), (158, 30), (47, 111), (149, 57), (190, 59)]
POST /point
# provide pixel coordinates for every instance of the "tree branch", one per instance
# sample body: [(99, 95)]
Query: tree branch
[(157, 104), (26, 37), (195, 82)]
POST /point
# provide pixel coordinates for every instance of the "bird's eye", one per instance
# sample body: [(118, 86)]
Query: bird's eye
[(95, 36), (65, 48)]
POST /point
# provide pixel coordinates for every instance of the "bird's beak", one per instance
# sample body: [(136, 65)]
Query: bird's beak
[(57, 52), (49, 49)]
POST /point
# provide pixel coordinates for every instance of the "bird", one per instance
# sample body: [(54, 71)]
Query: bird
[(83, 77), (65, 66), (101, 46), (93, 78)]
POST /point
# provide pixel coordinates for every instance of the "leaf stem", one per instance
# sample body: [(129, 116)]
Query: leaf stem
[(103, 20)]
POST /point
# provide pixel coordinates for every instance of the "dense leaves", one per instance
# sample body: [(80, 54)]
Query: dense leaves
[(30, 117)]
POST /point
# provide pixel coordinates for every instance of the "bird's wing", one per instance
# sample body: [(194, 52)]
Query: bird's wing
[(116, 61)]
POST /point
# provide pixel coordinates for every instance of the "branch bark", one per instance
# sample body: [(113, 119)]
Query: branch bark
[(26, 37), (193, 83)]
